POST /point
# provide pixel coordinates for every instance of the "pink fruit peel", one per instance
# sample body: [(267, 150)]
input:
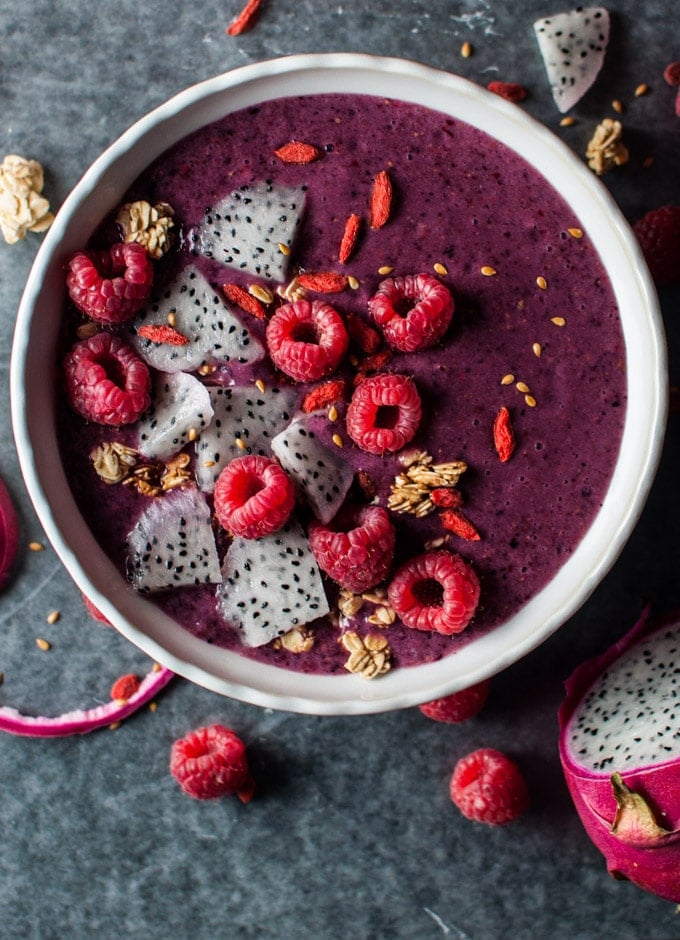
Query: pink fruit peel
[(9, 534)]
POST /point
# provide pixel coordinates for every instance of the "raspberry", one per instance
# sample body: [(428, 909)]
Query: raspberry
[(413, 311), (458, 707), (659, 235), (95, 612), (488, 787), (211, 762), (307, 340), (435, 591), (106, 381), (110, 286), (671, 74), (357, 557), (254, 496), (384, 413)]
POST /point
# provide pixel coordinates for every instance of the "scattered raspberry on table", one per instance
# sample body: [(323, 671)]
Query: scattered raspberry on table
[(488, 787), (211, 762)]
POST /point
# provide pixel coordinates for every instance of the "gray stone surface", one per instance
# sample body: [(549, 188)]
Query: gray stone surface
[(352, 833)]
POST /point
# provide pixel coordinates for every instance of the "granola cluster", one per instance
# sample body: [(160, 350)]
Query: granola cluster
[(22, 208)]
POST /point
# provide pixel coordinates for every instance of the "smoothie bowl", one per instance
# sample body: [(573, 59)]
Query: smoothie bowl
[(378, 401)]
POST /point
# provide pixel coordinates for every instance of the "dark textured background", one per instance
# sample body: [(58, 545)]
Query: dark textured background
[(351, 833)]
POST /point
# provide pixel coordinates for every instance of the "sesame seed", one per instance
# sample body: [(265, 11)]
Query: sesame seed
[(568, 121), (537, 349), (530, 400), (542, 283), (352, 281), (641, 90), (42, 644), (558, 321), (487, 270), (53, 616), (240, 443), (617, 106), (259, 384), (332, 413), (575, 232), (508, 379), (522, 387), (36, 547), (440, 268), (385, 269), (338, 441), (466, 50)]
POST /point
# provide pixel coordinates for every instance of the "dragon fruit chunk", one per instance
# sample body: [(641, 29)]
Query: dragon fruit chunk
[(319, 474), (620, 753), (245, 229), (180, 405), (270, 585), (214, 333), (172, 544), (573, 47), (240, 414)]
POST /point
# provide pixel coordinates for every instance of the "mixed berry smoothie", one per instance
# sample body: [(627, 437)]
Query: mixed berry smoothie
[(535, 330)]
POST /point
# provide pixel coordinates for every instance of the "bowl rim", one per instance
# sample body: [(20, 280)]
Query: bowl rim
[(229, 673)]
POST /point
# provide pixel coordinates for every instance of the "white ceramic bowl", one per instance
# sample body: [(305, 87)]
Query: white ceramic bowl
[(34, 354)]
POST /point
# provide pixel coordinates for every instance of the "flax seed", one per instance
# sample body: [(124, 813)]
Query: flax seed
[(508, 379), (487, 270), (53, 616), (385, 269), (575, 232), (36, 547), (338, 441), (283, 248), (466, 50), (259, 384), (568, 121), (332, 413), (558, 321), (240, 443), (617, 106), (440, 268), (641, 90), (43, 644), (353, 282), (542, 283), (537, 349), (530, 400), (522, 387)]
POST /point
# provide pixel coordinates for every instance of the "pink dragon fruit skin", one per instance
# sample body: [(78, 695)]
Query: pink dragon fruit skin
[(633, 817)]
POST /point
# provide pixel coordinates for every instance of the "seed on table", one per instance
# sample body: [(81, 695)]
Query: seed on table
[(53, 616), (43, 644), (641, 89), (36, 547), (466, 50)]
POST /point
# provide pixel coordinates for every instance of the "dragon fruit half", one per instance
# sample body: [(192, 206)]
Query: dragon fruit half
[(620, 751)]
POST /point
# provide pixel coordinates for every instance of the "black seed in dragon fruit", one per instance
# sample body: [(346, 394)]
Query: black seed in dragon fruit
[(271, 585), (249, 228), (180, 407), (245, 420), (172, 544), (573, 47), (322, 476), (213, 332)]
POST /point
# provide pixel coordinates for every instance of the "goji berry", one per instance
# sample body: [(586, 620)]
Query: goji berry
[(240, 296), (446, 497), (323, 395), (503, 435), (323, 282), (349, 239), (125, 687), (162, 333), (298, 152), (375, 361), (454, 521), (362, 335), (245, 19), (381, 200)]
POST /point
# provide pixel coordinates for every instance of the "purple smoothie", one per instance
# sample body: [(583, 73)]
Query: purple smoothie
[(464, 201)]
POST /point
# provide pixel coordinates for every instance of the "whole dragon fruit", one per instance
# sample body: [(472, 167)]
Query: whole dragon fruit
[(620, 752)]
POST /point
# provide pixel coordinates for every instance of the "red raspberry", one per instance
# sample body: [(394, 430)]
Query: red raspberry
[(488, 787), (358, 557), (458, 707), (659, 235), (106, 381), (307, 340), (95, 612), (211, 762), (384, 413), (254, 496), (110, 285), (435, 591), (671, 74), (413, 311)]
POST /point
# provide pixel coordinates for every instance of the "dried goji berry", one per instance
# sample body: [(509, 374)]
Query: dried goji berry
[(381, 200), (240, 296), (245, 19), (324, 282), (299, 152), (162, 333), (125, 687), (375, 361), (511, 91), (366, 484), (349, 239), (503, 435), (447, 497), (362, 335), (322, 395), (455, 522)]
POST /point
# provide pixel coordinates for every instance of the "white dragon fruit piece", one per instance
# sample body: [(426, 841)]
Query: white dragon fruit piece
[(214, 334), (573, 47), (320, 475), (172, 544), (246, 229), (271, 585), (180, 406), (620, 752), (243, 415)]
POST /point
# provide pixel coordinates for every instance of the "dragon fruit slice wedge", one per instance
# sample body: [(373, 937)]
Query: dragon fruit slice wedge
[(180, 404), (245, 229), (80, 721), (321, 476), (573, 47), (214, 334), (271, 585), (620, 752), (172, 544), (9, 534), (240, 414)]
